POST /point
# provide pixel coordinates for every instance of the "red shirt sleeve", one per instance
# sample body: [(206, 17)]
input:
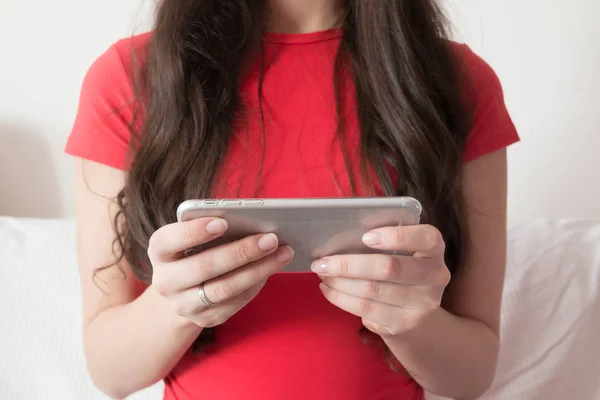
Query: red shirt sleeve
[(492, 127), (101, 130)]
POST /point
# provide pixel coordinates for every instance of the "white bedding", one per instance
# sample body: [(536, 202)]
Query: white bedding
[(551, 314)]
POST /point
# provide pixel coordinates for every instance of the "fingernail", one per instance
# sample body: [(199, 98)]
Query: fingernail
[(268, 242), (320, 266), (372, 238), (216, 227), (285, 254)]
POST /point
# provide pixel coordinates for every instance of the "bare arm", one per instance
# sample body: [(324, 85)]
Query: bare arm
[(132, 338), (134, 334), (454, 352)]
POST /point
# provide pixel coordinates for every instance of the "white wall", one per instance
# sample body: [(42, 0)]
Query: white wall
[(546, 52), (45, 49)]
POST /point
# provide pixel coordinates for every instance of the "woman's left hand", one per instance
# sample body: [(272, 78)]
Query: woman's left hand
[(392, 294)]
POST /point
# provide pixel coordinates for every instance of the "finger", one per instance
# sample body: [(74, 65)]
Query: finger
[(372, 310), (188, 304), (218, 315), (394, 294), (423, 240), (168, 242), (227, 286), (378, 267), (191, 271)]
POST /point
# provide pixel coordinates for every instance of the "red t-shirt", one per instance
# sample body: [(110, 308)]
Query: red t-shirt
[(289, 343)]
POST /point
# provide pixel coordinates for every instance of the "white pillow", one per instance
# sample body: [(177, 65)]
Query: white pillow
[(550, 346), (41, 345)]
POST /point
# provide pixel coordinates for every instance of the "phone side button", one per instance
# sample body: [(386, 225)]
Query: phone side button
[(231, 202), (253, 203)]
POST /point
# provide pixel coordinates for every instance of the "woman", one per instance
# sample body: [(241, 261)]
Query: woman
[(291, 98)]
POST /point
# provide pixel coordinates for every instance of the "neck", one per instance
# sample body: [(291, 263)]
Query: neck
[(303, 16)]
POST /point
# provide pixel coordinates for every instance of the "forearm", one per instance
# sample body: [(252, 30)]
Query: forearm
[(135, 345), (449, 355)]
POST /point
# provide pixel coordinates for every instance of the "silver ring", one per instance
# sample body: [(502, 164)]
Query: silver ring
[(203, 297)]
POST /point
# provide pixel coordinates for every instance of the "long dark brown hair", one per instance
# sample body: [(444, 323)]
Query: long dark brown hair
[(409, 95)]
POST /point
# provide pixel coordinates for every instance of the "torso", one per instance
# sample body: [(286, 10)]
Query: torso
[(290, 343)]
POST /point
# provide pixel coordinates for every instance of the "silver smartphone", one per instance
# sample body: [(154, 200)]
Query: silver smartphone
[(315, 228)]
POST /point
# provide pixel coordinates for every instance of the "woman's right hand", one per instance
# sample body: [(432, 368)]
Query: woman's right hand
[(231, 275)]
